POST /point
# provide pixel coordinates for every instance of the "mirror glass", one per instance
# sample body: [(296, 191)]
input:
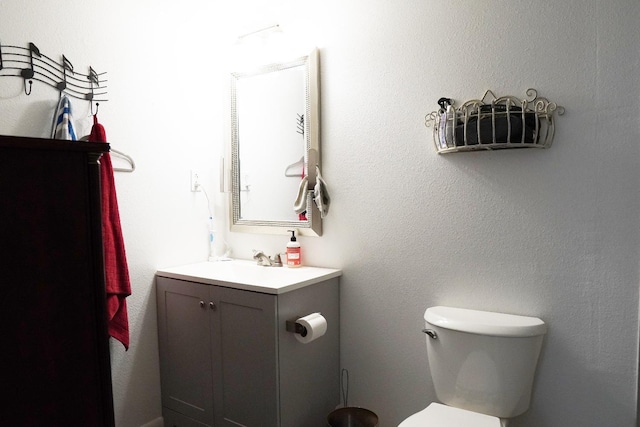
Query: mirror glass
[(275, 147)]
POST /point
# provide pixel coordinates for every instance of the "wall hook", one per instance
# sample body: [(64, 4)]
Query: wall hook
[(25, 87), (28, 73), (97, 108)]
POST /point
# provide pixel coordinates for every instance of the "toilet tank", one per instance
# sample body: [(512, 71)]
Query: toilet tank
[(483, 361)]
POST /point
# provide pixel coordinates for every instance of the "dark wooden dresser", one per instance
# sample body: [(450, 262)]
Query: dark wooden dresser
[(54, 357)]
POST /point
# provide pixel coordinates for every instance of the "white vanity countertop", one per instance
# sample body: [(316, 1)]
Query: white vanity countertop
[(247, 275)]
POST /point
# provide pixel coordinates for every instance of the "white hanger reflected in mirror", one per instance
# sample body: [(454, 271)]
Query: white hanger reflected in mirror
[(297, 166)]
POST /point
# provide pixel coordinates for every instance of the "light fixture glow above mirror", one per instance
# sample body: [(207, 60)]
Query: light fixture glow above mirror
[(267, 45)]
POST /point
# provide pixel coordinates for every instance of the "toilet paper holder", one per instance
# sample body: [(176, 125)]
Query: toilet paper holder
[(295, 327)]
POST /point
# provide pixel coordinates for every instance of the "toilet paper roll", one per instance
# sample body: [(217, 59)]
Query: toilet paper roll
[(316, 326)]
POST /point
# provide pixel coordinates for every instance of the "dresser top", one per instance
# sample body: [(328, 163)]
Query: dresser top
[(247, 275), (29, 143)]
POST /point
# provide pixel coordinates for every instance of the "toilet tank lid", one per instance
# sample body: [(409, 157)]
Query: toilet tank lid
[(485, 322)]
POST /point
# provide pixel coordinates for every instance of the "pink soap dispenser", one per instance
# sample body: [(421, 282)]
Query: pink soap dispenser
[(294, 257)]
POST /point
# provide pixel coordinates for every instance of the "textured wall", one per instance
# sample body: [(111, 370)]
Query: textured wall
[(551, 233)]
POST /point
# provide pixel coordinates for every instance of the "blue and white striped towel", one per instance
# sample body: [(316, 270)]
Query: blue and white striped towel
[(63, 127)]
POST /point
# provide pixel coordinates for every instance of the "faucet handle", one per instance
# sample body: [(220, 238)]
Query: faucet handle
[(277, 261)]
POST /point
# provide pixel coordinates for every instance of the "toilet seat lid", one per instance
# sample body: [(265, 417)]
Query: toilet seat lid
[(438, 415)]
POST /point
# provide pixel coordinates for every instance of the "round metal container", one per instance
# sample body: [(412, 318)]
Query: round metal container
[(352, 417)]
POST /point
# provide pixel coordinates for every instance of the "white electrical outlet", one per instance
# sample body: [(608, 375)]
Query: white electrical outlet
[(195, 181)]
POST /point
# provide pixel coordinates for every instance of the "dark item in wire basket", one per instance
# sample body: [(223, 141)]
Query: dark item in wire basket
[(508, 126)]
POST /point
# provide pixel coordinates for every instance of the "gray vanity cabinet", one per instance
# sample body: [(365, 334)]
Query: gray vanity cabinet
[(227, 360)]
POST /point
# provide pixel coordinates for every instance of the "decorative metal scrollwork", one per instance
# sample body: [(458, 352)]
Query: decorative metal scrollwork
[(494, 123)]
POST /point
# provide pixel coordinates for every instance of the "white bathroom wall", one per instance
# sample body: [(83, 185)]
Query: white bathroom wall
[(551, 233)]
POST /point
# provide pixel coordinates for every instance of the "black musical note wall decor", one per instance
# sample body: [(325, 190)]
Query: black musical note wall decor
[(61, 76), (300, 124), (66, 65)]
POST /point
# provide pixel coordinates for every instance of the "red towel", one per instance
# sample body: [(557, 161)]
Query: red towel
[(115, 262)]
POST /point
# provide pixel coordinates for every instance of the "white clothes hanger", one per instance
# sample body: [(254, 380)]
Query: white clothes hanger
[(125, 157), (296, 165)]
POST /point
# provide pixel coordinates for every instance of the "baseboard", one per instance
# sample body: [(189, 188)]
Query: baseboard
[(158, 422)]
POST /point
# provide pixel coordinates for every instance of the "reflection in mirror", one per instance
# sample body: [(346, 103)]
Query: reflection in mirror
[(270, 145), (275, 147)]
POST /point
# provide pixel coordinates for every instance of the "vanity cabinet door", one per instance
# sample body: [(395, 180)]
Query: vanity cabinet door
[(245, 359), (218, 355), (174, 419), (185, 341)]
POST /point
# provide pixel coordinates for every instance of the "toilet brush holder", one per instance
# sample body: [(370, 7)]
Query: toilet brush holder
[(350, 416)]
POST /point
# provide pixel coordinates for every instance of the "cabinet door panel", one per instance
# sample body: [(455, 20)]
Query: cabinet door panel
[(174, 419), (185, 348), (244, 363)]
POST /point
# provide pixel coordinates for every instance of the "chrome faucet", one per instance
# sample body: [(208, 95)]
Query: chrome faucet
[(265, 261)]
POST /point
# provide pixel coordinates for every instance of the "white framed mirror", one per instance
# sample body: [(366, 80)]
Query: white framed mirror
[(275, 146)]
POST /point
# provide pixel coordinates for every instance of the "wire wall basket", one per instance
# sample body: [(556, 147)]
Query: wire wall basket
[(493, 123)]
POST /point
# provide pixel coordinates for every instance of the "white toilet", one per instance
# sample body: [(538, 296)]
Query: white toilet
[(482, 365)]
